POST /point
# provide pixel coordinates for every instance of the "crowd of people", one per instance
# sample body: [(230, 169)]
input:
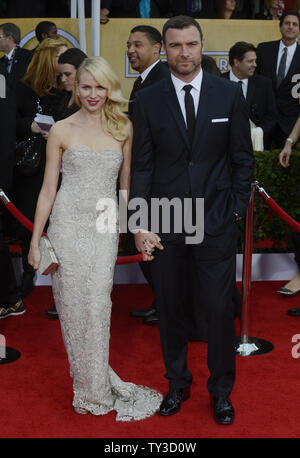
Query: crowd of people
[(214, 9), (163, 130)]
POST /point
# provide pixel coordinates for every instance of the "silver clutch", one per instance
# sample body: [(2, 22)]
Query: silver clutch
[(49, 261)]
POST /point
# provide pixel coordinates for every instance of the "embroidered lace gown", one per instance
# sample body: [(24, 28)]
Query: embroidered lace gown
[(83, 282)]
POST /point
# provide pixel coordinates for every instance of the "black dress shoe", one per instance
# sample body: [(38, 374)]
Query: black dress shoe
[(287, 292), (223, 410), (172, 401), (142, 313), (27, 284), (52, 313), (152, 319), (293, 312)]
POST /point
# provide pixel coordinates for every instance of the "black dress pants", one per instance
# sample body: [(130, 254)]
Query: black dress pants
[(215, 264)]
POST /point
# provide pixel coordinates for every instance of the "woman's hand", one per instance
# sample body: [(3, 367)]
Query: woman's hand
[(35, 128), (45, 134), (146, 242), (34, 257), (284, 156)]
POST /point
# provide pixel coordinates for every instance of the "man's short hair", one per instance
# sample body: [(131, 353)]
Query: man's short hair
[(10, 29), (43, 27), (153, 35), (238, 51), (289, 13), (181, 22)]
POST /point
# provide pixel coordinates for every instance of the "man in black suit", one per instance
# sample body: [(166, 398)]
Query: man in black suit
[(16, 60), (143, 50), (280, 61), (257, 89), (192, 142), (10, 301)]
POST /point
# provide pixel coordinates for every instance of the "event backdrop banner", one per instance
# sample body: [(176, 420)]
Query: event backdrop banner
[(219, 35)]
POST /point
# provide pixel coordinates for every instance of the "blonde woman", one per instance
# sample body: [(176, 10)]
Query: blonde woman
[(93, 147), (37, 91)]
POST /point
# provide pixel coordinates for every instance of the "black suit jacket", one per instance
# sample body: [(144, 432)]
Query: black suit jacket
[(221, 166), (287, 105), (21, 60), (261, 102), (158, 72)]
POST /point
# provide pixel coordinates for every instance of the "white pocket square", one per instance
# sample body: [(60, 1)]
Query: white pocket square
[(220, 120)]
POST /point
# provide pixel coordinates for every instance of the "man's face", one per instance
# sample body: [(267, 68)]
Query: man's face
[(4, 41), (184, 48), (52, 33), (246, 67), (141, 52), (290, 28)]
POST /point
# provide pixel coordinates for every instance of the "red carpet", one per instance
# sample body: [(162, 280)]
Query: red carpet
[(36, 390)]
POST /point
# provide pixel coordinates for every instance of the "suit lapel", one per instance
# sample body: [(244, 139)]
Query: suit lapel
[(272, 59), (205, 103), (250, 90), (175, 110), (293, 66)]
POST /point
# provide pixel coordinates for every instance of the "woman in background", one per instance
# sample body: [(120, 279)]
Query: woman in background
[(38, 88)]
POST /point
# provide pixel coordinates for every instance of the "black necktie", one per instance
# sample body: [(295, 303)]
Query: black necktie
[(5, 61), (137, 84), (281, 68), (136, 87), (241, 84), (190, 111)]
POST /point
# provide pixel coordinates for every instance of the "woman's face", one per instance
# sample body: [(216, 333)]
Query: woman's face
[(67, 74), (91, 94)]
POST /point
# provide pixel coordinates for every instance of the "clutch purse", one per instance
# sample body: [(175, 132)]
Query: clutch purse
[(49, 261)]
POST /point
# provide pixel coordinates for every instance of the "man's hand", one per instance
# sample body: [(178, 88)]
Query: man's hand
[(146, 242)]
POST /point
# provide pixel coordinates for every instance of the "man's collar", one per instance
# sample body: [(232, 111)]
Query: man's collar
[(146, 72), (196, 82), (233, 77), (11, 53)]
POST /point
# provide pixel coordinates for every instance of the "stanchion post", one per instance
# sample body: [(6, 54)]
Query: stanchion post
[(249, 346), (247, 267)]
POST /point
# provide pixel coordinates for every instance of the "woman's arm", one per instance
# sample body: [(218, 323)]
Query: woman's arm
[(284, 156), (48, 192), (125, 167)]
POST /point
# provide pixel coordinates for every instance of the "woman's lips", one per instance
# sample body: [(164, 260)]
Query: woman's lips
[(93, 102)]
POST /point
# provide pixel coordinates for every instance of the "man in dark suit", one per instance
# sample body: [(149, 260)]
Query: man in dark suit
[(16, 60), (10, 301), (257, 89), (280, 61), (143, 50), (192, 142)]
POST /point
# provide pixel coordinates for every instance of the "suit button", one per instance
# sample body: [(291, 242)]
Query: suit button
[(191, 163)]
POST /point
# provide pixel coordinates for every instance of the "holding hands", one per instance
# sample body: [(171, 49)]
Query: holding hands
[(146, 242)]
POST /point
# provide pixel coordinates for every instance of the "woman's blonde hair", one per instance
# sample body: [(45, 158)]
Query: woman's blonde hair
[(114, 121), (41, 71)]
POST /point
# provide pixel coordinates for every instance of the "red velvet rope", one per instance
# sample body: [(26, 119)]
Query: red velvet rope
[(278, 210), (28, 224)]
